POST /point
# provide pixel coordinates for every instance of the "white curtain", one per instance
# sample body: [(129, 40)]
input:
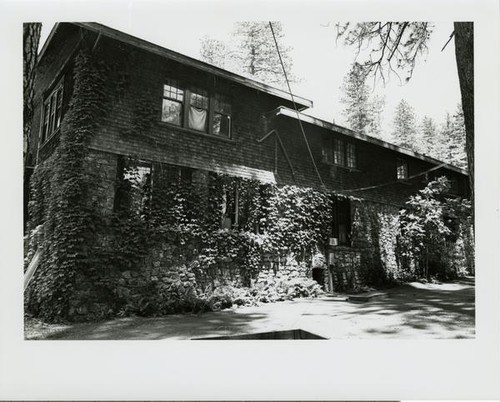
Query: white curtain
[(197, 118)]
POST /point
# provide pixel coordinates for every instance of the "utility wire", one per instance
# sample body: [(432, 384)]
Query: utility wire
[(295, 107), (395, 181)]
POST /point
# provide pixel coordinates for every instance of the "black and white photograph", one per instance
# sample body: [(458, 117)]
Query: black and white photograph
[(201, 180)]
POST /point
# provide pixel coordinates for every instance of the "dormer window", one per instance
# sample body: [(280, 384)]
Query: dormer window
[(52, 113), (196, 109)]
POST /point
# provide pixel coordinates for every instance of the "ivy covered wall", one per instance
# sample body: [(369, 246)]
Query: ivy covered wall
[(126, 235)]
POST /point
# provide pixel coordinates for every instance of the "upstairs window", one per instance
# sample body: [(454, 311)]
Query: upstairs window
[(221, 123), (52, 113), (402, 169), (351, 156), (173, 99), (339, 152), (196, 109)]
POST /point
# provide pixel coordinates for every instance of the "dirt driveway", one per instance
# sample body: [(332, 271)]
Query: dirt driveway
[(411, 311)]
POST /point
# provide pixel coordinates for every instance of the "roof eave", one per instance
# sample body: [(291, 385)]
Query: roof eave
[(301, 102)]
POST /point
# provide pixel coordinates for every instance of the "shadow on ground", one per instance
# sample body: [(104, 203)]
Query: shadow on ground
[(410, 311)]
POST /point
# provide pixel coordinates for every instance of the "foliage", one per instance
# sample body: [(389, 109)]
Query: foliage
[(448, 142), (431, 223), (362, 111), (404, 126), (403, 42), (69, 219), (251, 52), (428, 136), (213, 51), (394, 47)]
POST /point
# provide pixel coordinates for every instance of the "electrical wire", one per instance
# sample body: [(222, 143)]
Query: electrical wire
[(395, 181), (295, 107)]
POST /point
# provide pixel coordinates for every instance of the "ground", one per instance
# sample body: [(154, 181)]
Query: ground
[(411, 311)]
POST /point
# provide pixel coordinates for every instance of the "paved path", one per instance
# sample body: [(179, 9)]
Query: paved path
[(411, 311)]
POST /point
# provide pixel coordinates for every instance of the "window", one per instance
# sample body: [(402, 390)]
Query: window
[(135, 184), (338, 152), (52, 113), (222, 116), (351, 156), (402, 169), (173, 98), (196, 109), (342, 221)]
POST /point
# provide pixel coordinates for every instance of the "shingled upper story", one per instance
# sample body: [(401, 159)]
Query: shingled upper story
[(204, 117)]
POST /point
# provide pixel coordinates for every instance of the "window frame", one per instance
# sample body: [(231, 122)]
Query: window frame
[(54, 114), (186, 104), (338, 152), (402, 163), (173, 96)]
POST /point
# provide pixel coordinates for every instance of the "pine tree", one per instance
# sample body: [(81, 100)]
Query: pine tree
[(362, 112), (428, 137), (404, 131), (456, 140), (213, 51), (252, 52), (443, 136)]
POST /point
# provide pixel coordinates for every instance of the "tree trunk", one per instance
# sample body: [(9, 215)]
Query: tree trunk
[(31, 38), (464, 53)]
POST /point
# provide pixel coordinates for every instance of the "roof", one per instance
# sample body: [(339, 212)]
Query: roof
[(302, 103), (284, 111)]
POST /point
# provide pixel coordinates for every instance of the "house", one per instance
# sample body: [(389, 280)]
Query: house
[(123, 127)]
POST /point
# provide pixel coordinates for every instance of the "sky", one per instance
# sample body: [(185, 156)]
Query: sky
[(318, 61)]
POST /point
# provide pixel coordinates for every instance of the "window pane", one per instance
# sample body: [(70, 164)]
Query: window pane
[(199, 98), (338, 152), (197, 119), (221, 124), (402, 169), (171, 112), (58, 108), (46, 118), (51, 116), (222, 105), (173, 91), (351, 156)]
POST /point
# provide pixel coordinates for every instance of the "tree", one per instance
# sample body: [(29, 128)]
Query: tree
[(213, 51), (435, 231), (395, 46), (464, 54), (456, 140), (450, 145), (428, 137), (443, 136), (404, 131), (362, 112), (252, 52)]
